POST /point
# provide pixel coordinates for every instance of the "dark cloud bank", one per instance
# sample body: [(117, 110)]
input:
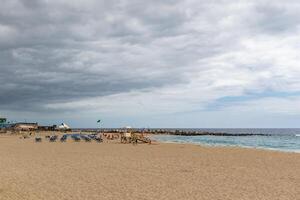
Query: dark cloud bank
[(60, 51)]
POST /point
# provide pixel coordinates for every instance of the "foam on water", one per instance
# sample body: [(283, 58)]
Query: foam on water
[(285, 141)]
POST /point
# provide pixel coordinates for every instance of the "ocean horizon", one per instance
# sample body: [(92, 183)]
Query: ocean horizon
[(281, 139)]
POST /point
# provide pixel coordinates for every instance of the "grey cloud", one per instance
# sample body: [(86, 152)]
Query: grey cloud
[(60, 51), (278, 17)]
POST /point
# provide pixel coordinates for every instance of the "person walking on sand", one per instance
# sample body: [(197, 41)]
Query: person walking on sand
[(134, 139)]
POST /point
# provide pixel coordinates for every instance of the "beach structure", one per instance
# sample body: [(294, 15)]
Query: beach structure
[(134, 138), (24, 126), (2, 120), (63, 127), (4, 123), (126, 137), (47, 128)]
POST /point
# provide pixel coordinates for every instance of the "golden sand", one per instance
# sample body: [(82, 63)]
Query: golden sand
[(37, 171)]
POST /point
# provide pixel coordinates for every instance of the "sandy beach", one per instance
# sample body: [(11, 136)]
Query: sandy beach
[(70, 170)]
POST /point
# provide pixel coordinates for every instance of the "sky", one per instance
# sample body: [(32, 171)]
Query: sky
[(168, 63)]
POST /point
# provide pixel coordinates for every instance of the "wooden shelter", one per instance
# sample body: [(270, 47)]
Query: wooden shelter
[(23, 126)]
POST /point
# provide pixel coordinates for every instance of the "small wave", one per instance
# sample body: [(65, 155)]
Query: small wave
[(297, 135), (287, 144)]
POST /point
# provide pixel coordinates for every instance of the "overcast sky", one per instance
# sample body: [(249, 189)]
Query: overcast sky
[(168, 63)]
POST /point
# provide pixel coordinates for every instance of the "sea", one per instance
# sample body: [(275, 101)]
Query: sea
[(287, 140)]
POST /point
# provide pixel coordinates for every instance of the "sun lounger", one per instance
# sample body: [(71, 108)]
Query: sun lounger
[(63, 138), (92, 136), (85, 138), (97, 138), (53, 138), (75, 138)]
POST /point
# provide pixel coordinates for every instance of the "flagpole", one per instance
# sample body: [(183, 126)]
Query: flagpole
[(99, 122)]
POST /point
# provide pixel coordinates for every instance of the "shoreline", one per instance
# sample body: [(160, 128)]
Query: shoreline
[(229, 147), (203, 143)]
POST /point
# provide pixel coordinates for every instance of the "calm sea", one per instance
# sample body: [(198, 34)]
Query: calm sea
[(279, 139)]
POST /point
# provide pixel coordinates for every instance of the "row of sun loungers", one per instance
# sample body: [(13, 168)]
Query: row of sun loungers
[(132, 138), (75, 137)]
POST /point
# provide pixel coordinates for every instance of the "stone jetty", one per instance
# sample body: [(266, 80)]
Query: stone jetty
[(182, 132)]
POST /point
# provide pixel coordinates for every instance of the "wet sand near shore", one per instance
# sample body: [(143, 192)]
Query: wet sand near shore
[(81, 170)]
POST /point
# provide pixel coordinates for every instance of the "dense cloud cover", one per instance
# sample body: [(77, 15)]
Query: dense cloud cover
[(150, 59)]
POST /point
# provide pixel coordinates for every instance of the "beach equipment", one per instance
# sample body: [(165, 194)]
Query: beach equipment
[(127, 134), (95, 137), (75, 138), (85, 138), (98, 139), (53, 138), (64, 127), (134, 138), (126, 137), (92, 136), (63, 138)]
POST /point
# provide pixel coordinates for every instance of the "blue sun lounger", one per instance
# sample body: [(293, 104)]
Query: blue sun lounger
[(76, 138), (64, 138)]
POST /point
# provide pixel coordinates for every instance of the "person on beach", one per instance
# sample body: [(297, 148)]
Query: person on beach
[(134, 139)]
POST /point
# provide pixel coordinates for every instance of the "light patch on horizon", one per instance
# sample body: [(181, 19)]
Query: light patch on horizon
[(150, 61)]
